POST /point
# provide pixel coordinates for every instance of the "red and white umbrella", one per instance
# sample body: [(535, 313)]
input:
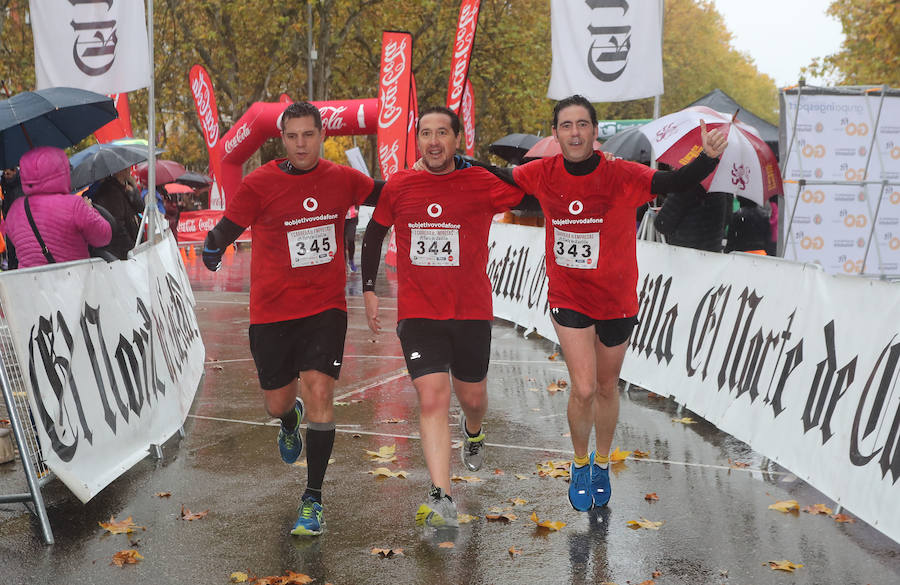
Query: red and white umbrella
[(747, 167)]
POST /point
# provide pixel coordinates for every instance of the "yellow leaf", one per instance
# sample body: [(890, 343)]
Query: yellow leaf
[(385, 472), (520, 476), (639, 453), (785, 506), (446, 544), (843, 518), (553, 356), (303, 463), (514, 552), (292, 578), (818, 509), (126, 557), (517, 501), (239, 577), (738, 464), (385, 451), (163, 494), (644, 523), (619, 455), (121, 527), (651, 497), (506, 517), (554, 526), (685, 421), (466, 478), (783, 566), (187, 515), (465, 518)]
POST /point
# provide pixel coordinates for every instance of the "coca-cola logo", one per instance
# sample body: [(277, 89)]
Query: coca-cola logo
[(389, 159), (203, 99), (468, 116), (240, 135), (393, 67), (465, 36), (332, 117)]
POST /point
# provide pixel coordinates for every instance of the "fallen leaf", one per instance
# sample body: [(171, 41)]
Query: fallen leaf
[(305, 463), (651, 497), (514, 552), (647, 582), (785, 506), (121, 527), (562, 383), (818, 509), (644, 523), (187, 515), (498, 472), (393, 421), (534, 390), (387, 553), (466, 478), (385, 454), (520, 476), (356, 436), (340, 403), (654, 396), (738, 464), (554, 387), (685, 421), (163, 494), (639, 453), (783, 566), (505, 517), (844, 518), (446, 544), (239, 577), (554, 469), (656, 574), (553, 356), (455, 445), (465, 518), (517, 501), (126, 557), (218, 367), (385, 472), (617, 455), (549, 525)]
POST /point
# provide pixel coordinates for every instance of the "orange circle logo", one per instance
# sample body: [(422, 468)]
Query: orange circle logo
[(895, 197), (809, 243), (859, 220), (894, 244), (895, 152), (813, 196), (850, 129), (851, 267)]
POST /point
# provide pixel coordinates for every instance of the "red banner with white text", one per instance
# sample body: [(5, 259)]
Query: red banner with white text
[(468, 118), (462, 52), (393, 101), (205, 102), (194, 225), (412, 153)]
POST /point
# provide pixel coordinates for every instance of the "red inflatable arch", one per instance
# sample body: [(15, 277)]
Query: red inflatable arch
[(259, 123)]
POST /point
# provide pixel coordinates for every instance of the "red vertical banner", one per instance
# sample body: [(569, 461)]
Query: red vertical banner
[(412, 153), (205, 102), (462, 52), (468, 118), (121, 126), (393, 101)]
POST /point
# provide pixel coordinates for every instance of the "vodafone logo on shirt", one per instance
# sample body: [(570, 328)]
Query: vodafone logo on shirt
[(310, 204), (435, 210), (576, 207)]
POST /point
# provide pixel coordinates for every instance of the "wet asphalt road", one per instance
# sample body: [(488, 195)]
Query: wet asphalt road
[(717, 528)]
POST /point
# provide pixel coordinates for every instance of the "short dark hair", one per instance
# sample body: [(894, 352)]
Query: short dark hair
[(454, 119), (300, 110), (574, 100)]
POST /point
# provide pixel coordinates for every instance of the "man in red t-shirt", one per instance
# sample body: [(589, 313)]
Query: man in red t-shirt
[(298, 308), (589, 204), (441, 218)]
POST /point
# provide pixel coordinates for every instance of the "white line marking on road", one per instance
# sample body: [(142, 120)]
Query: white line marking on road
[(380, 381)]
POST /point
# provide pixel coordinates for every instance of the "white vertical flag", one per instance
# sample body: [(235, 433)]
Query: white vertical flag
[(98, 45), (606, 50)]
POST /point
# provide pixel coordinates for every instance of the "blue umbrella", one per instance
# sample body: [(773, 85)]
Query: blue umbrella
[(56, 116), (99, 161)]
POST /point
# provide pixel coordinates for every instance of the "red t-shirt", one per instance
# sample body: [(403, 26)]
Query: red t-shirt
[(442, 223), (297, 264), (590, 233)]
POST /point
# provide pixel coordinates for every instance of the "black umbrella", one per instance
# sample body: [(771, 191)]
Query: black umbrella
[(56, 116), (102, 160), (195, 180), (629, 144), (513, 147)]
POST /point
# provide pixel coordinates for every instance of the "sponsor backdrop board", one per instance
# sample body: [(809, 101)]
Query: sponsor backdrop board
[(112, 357), (841, 138), (799, 364)]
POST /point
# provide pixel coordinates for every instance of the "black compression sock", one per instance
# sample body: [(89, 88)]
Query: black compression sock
[(319, 443)]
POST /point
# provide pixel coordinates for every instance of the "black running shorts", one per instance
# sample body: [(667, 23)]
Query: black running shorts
[(283, 349), (612, 332), (461, 347)]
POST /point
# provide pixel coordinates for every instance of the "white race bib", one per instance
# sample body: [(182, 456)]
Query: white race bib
[(311, 246), (576, 250), (434, 247)]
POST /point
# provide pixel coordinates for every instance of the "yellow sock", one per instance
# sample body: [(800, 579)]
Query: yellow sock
[(581, 461), (601, 459)]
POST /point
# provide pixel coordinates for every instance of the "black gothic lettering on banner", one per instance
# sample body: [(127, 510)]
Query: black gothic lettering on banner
[(514, 278), (175, 324), (95, 53), (607, 56), (656, 324), (711, 309), (828, 386), (878, 410)]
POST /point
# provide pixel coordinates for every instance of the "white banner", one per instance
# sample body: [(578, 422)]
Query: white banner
[(836, 136), (801, 365), (111, 355), (606, 50), (98, 45)]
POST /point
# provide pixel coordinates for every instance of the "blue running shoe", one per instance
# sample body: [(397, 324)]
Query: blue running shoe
[(580, 486), (310, 519), (600, 488), (289, 442)]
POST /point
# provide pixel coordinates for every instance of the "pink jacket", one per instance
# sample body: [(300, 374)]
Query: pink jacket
[(67, 224)]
